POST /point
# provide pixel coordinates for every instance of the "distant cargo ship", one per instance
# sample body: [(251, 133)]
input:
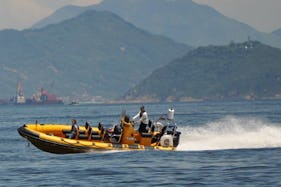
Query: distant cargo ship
[(4, 102), (41, 97)]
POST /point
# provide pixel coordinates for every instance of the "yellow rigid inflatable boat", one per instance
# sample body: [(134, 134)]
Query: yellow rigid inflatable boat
[(53, 138)]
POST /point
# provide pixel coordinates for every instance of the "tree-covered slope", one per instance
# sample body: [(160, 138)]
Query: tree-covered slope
[(245, 70), (96, 53)]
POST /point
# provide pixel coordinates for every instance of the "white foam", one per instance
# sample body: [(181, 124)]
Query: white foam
[(231, 133)]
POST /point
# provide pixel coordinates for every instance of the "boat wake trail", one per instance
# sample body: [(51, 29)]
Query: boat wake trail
[(231, 133)]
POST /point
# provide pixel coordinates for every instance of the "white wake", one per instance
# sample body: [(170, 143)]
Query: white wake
[(231, 133)]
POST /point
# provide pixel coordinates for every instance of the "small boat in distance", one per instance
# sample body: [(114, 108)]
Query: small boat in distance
[(74, 103), (54, 138)]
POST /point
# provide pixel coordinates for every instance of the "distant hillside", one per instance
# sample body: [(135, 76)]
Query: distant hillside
[(182, 20), (96, 53), (238, 71), (277, 32), (61, 14)]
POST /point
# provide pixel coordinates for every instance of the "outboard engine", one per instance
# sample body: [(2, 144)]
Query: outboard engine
[(166, 140), (170, 137), (169, 134)]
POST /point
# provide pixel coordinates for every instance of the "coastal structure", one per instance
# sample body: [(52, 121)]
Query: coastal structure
[(40, 97)]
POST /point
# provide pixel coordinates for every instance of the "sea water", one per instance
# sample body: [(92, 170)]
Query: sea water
[(234, 143)]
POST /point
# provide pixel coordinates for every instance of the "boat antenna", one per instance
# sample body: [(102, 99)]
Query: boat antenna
[(123, 114)]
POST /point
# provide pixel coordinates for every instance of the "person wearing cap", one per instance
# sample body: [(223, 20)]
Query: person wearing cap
[(143, 119)]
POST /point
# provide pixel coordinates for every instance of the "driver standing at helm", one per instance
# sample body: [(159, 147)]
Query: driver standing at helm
[(143, 119)]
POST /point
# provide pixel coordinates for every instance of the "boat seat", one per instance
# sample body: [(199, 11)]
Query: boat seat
[(69, 131), (145, 139), (115, 138), (66, 131), (80, 132), (96, 137), (83, 137), (95, 133), (93, 137), (146, 135)]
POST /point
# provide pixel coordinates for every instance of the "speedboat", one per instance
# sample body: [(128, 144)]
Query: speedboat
[(54, 138)]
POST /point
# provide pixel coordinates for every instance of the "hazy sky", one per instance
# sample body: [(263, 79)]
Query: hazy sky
[(263, 15), (21, 14)]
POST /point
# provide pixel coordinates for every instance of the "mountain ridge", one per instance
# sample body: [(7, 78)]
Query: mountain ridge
[(96, 53), (249, 70), (181, 20)]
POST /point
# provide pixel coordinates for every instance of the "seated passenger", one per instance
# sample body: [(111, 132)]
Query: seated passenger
[(89, 133), (117, 130), (74, 129), (87, 128)]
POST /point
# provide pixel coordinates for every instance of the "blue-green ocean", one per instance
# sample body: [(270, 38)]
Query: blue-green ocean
[(233, 143)]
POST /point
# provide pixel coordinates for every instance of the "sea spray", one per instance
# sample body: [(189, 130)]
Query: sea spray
[(231, 132)]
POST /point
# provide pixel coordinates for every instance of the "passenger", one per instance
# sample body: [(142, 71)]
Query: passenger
[(74, 129), (87, 128), (89, 133), (87, 125), (143, 119)]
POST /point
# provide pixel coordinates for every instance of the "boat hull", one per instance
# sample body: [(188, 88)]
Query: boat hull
[(52, 143), (50, 146)]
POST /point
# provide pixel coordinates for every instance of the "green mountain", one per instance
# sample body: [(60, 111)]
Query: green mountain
[(96, 53), (181, 20), (238, 71)]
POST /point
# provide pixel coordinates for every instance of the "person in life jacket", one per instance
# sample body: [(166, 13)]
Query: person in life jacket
[(74, 129), (143, 119)]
